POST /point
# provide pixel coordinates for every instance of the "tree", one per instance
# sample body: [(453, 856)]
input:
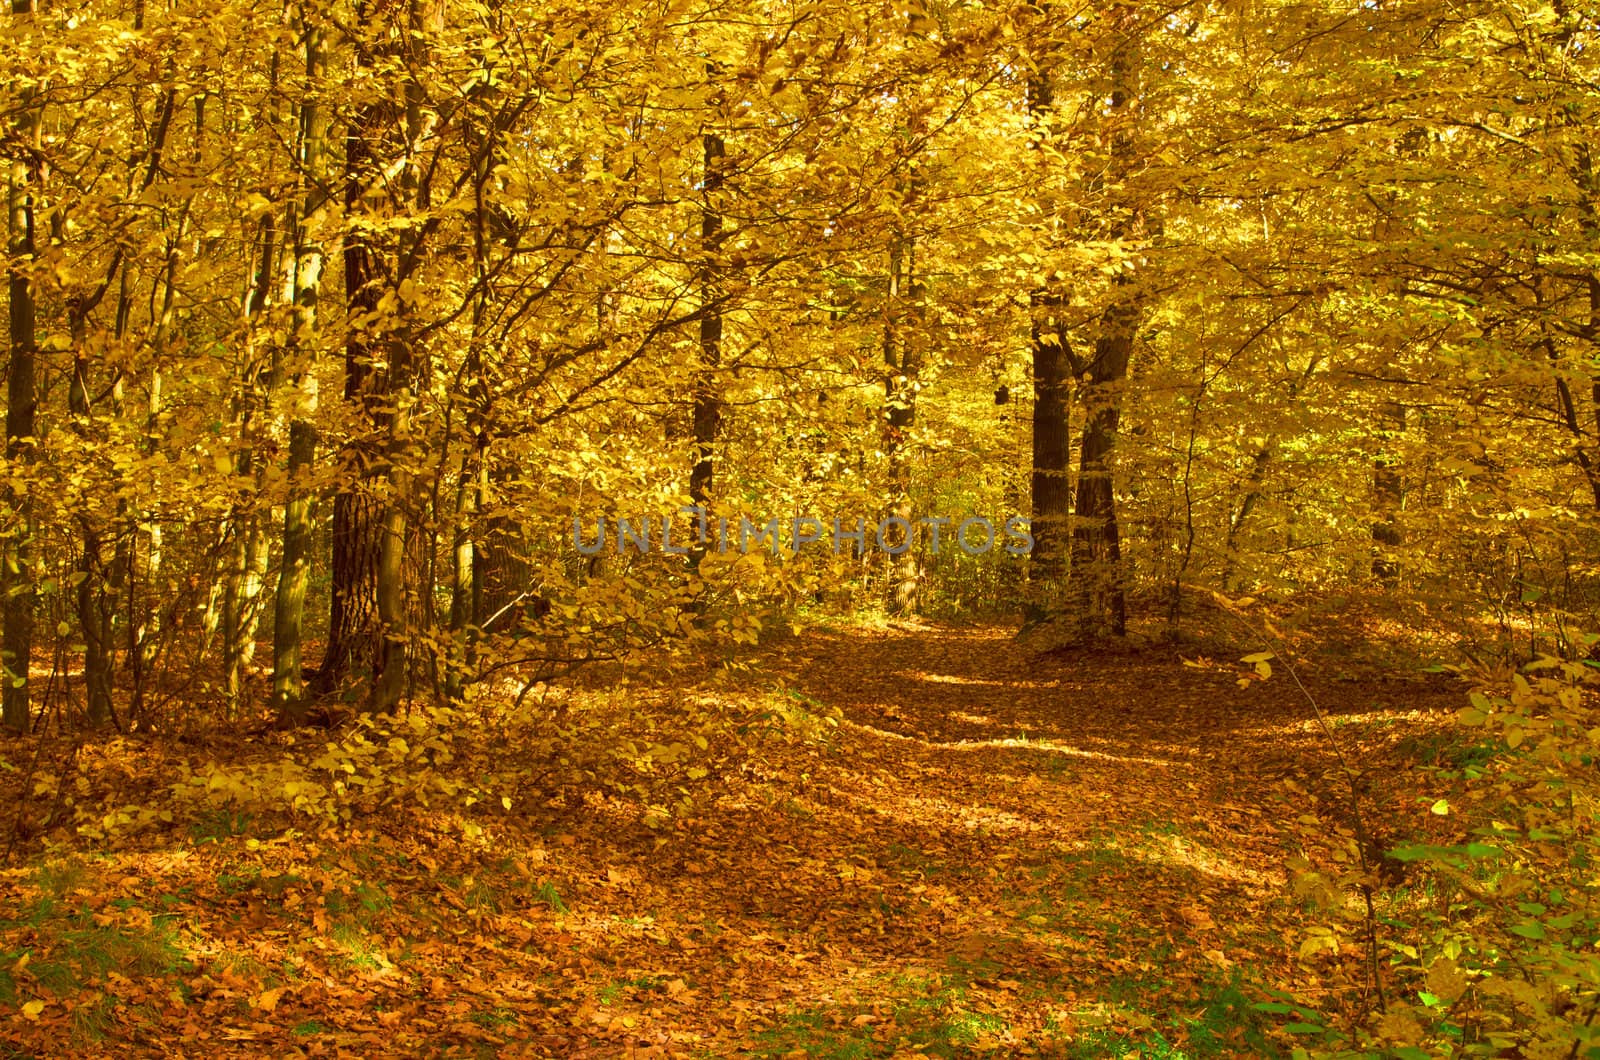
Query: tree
[(17, 575)]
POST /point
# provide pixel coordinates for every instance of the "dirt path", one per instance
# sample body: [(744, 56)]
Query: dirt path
[(982, 853), (1003, 853)]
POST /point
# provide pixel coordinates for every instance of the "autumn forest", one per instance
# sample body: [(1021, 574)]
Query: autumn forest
[(783, 528)]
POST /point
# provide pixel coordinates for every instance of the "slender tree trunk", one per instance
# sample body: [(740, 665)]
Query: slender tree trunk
[(707, 390), (1050, 484), (16, 570), (902, 365), (305, 271), (500, 570), (352, 609), (466, 553), (247, 549), (94, 617), (462, 584), (1052, 453), (399, 557), (1247, 506), (288, 620), (1388, 495)]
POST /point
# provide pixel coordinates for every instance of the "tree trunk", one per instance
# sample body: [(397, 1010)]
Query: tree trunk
[(707, 392), (354, 634), (901, 368), (305, 272), (1096, 597), (94, 616), (1050, 482), (247, 554), (16, 573), (1097, 602), (1052, 454), (399, 384), (500, 571), (1388, 496)]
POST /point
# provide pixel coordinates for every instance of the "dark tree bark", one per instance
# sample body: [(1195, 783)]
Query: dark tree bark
[(902, 366), (1388, 494), (354, 635), (1052, 452), (707, 391), (1050, 481), (1097, 599), (1098, 603), (16, 573)]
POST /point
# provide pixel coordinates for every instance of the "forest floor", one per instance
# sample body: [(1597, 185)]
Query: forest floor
[(946, 848)]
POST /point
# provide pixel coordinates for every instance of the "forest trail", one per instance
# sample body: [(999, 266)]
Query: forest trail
[(952, 848), (1003, 853)]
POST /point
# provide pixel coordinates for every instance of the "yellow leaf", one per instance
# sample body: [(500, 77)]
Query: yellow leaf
[(1442, 807), (32, 1009)]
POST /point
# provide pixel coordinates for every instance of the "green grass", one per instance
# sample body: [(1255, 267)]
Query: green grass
[(546, 892), (1451, 751), (481, 898), (69, 953), (90, 1022), (359, 951), (933, 1015), (809, 1032), (218, 825), (363, 904), (492, 1019), (615, 991), (1094, 1045)]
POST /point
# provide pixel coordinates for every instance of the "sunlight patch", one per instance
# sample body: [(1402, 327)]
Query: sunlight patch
[(952, 679)]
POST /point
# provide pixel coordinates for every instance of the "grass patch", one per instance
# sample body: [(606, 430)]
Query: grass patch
[(493, 1019), (1450, 751), (930, 1015), (61, 950), (217, 825), (90, 1022), (362, 904), (359, 951), (545, 891), (615, 991)]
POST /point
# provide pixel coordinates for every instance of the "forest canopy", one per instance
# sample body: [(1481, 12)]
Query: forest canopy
[(334, 325)]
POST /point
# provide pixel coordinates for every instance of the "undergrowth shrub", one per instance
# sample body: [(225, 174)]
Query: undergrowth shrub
[(1492, 946)]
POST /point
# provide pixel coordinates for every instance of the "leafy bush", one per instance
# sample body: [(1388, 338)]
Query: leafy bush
[(1493, 949)]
